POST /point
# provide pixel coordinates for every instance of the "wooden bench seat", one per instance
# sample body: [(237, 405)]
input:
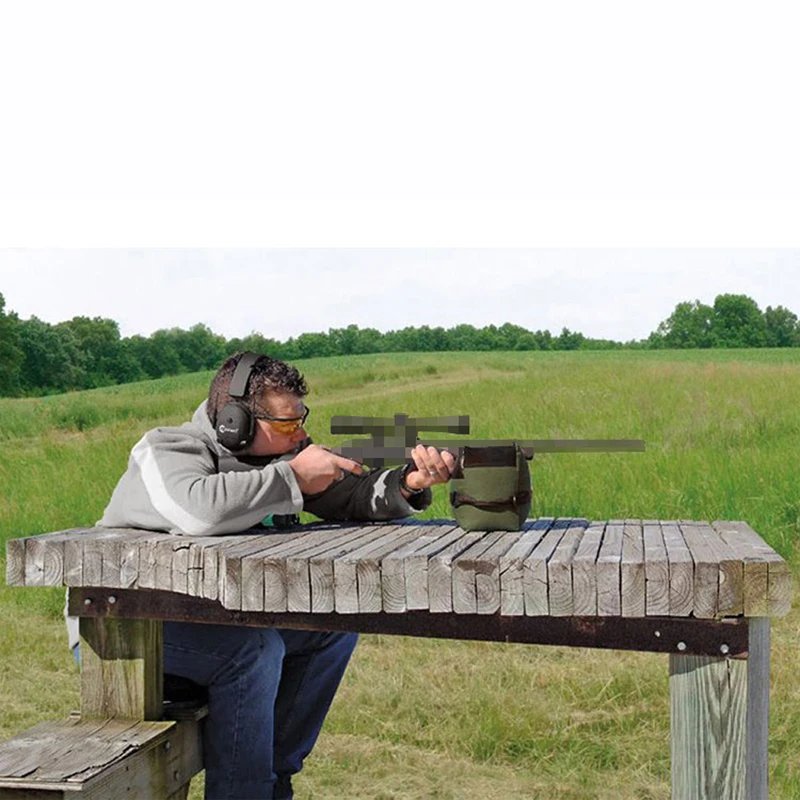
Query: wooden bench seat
[(102, 759)]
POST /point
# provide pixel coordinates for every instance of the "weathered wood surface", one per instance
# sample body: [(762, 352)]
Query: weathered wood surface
[(553, 567), (101, 759)]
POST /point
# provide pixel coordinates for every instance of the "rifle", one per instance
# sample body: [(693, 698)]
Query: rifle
[(391, 441)]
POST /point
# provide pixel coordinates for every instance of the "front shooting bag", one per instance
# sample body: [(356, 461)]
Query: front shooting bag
[(490, 488)]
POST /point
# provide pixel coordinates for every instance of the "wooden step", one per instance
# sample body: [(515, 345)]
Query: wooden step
[(101, 759)]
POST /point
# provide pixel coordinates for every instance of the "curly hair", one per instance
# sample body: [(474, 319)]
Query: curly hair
[(266, 375)]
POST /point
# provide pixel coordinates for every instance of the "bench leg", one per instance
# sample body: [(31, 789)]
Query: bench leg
[(719, 711), (122, 668)]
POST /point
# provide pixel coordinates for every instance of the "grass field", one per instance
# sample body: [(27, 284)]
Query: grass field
[(418, 718)]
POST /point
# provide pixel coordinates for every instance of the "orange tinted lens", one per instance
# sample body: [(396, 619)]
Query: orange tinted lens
[(289, 426)]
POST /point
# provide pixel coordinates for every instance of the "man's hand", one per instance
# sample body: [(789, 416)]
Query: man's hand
[(316, 468), (432, 466)]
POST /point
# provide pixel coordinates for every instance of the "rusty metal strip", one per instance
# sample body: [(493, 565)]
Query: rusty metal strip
[(687, 636)]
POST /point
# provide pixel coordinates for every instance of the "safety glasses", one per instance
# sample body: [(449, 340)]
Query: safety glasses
[(285, 425)]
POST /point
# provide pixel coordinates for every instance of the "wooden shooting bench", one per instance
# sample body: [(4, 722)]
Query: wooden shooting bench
[(700, 592)]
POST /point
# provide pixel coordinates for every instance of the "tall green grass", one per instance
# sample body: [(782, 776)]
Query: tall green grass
[(419, 718)]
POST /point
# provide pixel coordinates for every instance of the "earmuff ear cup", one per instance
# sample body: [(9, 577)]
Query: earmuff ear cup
[(235, 427)]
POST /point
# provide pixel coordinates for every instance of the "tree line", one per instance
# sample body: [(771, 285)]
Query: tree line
[(37, 357)]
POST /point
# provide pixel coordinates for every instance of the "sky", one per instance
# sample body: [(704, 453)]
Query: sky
[(285, 167), (619, 294)]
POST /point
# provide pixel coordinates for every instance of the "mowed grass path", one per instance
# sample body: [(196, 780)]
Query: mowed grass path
[(417, 718)]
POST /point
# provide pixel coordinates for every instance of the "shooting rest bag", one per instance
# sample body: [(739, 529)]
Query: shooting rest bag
[(490, 489)]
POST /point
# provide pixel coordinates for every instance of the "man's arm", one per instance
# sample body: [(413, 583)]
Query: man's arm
[(380, 494)]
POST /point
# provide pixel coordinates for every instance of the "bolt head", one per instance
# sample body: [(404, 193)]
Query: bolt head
[(87, 601), (681, 646), (724, 649), (112, 599)]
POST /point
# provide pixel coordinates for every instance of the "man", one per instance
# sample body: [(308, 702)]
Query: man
[(243, 458)]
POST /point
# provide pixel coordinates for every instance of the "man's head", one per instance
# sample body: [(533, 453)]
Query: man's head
[(270, 399)]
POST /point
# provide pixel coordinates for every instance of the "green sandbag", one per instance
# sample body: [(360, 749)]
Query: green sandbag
[(491, 488)]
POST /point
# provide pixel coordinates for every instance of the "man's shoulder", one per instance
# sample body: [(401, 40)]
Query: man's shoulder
[(186, 437)]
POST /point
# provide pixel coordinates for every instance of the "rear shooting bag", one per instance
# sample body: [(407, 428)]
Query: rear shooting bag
[(490, 488)]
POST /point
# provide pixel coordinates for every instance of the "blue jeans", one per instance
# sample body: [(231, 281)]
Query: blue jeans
[(269, 690), (268, 693)]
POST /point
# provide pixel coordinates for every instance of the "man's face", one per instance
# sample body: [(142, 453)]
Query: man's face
[(268, 441)]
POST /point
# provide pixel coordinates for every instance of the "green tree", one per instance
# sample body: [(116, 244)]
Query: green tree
[(781, 328), (544, 339), (98, 342), (737, 322), (313, 345), (569, 340), (156, 354), (11, 354), (369, 340), (199, 348), (53, 359), (688, 326), (343, 341)]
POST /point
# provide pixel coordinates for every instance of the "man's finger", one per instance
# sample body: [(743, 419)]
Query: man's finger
[(348, 464)]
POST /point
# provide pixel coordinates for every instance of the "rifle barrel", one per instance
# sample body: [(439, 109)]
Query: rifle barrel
[(397, 454)]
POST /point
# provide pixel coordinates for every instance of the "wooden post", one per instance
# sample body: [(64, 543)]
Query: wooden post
[(122, 668), (719, 710)]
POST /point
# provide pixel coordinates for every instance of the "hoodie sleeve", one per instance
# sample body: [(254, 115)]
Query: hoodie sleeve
[(172, 484), (374, 496)]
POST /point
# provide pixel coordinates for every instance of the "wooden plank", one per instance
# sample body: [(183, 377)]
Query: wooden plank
[(440, 571), (111, 557), (730, 598), (15, 562), (41, 751), (416, 567), (317, 567), (369, 569), (264, 584), (512, 592), (584, 571), (465, 567), (230, 565), (487, 573), (706, 571), (632, 570), (708, 710), (129, 562), (681, 571), (757, 734), (534, 575), (80, 755), (609, 562), (93, 561), (34, 561), (73, 562), (404, 572), (345, 568), (101, 759), (767, 580), (559, 570), (656, 570), (146, 579)]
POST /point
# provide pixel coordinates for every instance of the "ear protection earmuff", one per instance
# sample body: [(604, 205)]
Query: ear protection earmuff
[(236, 424)]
